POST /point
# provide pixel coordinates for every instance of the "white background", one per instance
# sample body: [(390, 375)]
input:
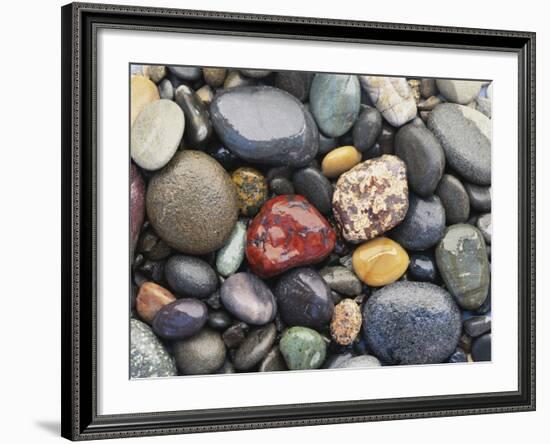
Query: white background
[(29, 375)]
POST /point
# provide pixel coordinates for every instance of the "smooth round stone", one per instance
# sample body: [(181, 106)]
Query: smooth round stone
[(454, 198), (346, 322), (214, 76), (335, 101), (465, 135), (265, 125), (315, 187), (137, 206), (303, 298), (424, 224), (484, 225), (380, 261), (166, 90), (180, 319), (463, 265), (459, 91), (392, 96), (155, 72), (185, 72), (273, 362), (156, 134), (458, 356), (225, 157), (481, 348), (197, 121), (255, 73), (363, 361), (367, 128), (201, 354), (148, 357), (231, 255), (334, 361), (247, 298), (281, 185), (251, 190), (340, 160), (428, 88), (150, 299), (423, 155), (411, 323), (342, 280), (142, 92), (255, 347), (371, 198), (192, 203), (296, 83), (190, 276), (219, 320), (422, 268), (302, 348), (480, 197), (477, 325)]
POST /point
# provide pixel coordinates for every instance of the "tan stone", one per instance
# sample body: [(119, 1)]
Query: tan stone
[(346, 322), (142, 92), (340, 160)]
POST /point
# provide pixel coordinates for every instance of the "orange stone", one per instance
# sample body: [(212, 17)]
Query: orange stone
[(150, 299), (380, 261), (340, 160), (142, 92), (346, 322)]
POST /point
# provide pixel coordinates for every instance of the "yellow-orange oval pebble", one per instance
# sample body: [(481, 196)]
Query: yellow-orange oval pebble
[(380, 261), (142, 92), (340, 160)]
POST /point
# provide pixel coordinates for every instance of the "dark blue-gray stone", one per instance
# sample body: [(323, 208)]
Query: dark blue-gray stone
[(411, 323), (190, 276), (367, 128), (422, 268), (327, 144), (197, 121), (180, 319), (454, 198), (335, 361), (273, 362), (255, 347), (148, 356), (480, 197), (423, 226), (296, 83), (315, 187), (185, 72), (265, 125), (335, 100), (219, 320), (202, 354), (458, 356), (481, 348), (477, 325)]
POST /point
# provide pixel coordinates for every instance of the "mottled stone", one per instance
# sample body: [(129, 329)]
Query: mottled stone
[(185, 72), (340, 160), (363, 361), (148, 357), (150, 299), (480, 197), (422, 268), (219, 320), (137, 206), (201, 354), (296, 83), (315, 187), (477, 325), (481, 348), (231, 255), (155, 72), (197, 120), (454, 198), (273, 362), (251, 190), (459, 91), (367, 128), (142, 92), (485, 225), (190, 276), (302, 348), (214, 76), (180, 319), (346, 322), (342, 280), (255, 347)]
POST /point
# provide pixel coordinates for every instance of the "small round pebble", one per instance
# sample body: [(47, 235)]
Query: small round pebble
[(201, 354), (190, 276), (346, 322), (180, 319), (251, 190), (302, 348), (315, 187), (454, 198)]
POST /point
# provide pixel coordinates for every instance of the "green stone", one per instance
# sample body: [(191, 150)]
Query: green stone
[(302, 348), (148, 356), (231, 255), (462, 261)]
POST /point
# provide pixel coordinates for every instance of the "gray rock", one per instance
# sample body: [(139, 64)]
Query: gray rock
[(201, 354), (190, 276), (484, 105), (367, 128), (342, 280), (428, 88), (273, 362), (185, 72), (335, 361), (231, 255), (315, 187), (481, 348), (480, 197), (477, 325), (459, 91), (148, 357), (296, 83), (166, 90), (454, 198), (255, 347), (362, 361), (198, 127), (281, 185), (485, 226)]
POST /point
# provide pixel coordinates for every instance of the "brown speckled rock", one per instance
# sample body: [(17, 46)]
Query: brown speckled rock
[(150, 299), (371, 198), (346, 322), (192, 203)]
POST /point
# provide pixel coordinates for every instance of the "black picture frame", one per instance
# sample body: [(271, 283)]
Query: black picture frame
[(80, 420)]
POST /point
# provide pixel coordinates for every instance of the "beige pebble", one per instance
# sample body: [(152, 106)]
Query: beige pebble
[(142, 92)]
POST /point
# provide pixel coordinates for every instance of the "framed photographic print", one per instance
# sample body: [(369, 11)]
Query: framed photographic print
[(278, 221)]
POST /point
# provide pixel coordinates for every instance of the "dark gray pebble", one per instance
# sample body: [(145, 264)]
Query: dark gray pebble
[(190, 276), (422, 268), (198, 127), (255, 347), (458, 356), (235, 335), (481, 348), (454, 198), (315, 187), (281, 185), (367, 128), (480, 197), (342, 280), (477, 325), (273, 362), (219, 320), (185, 72), (296, 83)]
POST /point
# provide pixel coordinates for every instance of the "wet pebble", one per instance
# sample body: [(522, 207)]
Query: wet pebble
[(422, 268), (294, 82), (481, 348), (198, 127), (367, 128), (340, 160), (231, 255), (315, 187), (190, 276), (251, 190), (480, 197), (454, 198), (185, 72), (219, 320), (342, 280), (180, 319), (255, 347), (201, 354), (477, 325)]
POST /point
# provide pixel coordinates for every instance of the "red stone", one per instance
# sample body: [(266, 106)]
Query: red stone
[(288, 232)]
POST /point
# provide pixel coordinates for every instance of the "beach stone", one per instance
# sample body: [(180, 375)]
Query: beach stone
[(148, 356), (180, 319), (142, 92), (166, 90), (190, 276), (458, 356), (327, 144), (477, 325), (392, 96), (185, 72), (205, 94), (231, 255), (265, 125), (411, 323), (367, 128), (198, 128), (302, 348), (371, 198), (255, 73), (429, 104), (226, 158), (296, 83), (247, 298), (315, 187), (214, 77), (150, 299), (340, 160), (251, 190), (335, 100), (422, 268), (363, 361), (465, 135), (281, 185), (273, 362), (342, 280), (235, 79), (219, 320), (428, 88), (454, 198), (459, 91), (423, 226), (155, 72), (346, 322), (255, 347), (480, 197), (303, 298), (484, 225), (481, 348), (288, 232), (235, 335), (420, 150), (192, 203), (201, 354), (462, 261), (137, 206), (156, 134), (152, 246)]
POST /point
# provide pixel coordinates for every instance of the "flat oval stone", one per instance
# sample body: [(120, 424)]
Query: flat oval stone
[(150, 299), (273, 362), (480, 197), (477, 325), (484, 225), (392, 96), (214, 76), (465, 135), (296, 83), (180, 319), (335, 100), (342, 280), (367, 128), (327, 144), (142, 92), (481, 348), (192, 203), (303, 298), (219, 320), (380, 261), (462, 262), (251, 190), (137, 206), (190, 276), (371, 198), (148, 357), (302, 348), (340, 160), (420, 150), (200, 354), (315, 187), (459, 91), (346, 322), (156, 134), (422, 268), (363, 361), (424, 224), (185, 72), (231, 255), (411, 323), (255, 347), (198, 128), (265, 125), (247, 298), (454, 198), (288, 232)]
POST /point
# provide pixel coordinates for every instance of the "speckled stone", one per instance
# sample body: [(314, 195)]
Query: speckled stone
[(296, 83), (342, 280), (411, 323), (185, 72), (231, 255), (363, 361), (454, 198), (251, 190), (371, 198), (340, 160), (458, 355), (302, 348), (192, 203), (198, 127), (142, 92), (148, 357), (315, 187), (367, 128), (150, 299), (137, 206), (214, 76), (255, 347), (190, 276), (480, 197), (484, 224), (481, 348), (273, 362), (459, 91), (346, 322), (477, 325), (201, 354), (180, 319)]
